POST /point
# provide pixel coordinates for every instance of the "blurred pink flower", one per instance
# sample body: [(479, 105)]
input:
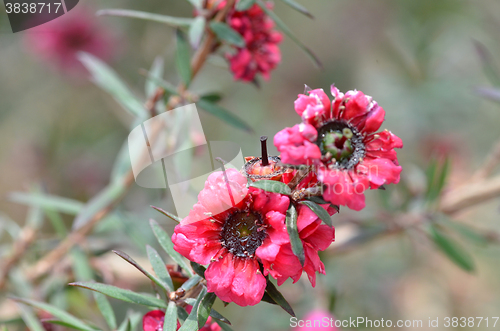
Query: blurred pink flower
[(261, 53), (316, 320), (59, 41)]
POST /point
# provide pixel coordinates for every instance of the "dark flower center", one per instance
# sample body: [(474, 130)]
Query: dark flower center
[(341, 144), (242, 233)]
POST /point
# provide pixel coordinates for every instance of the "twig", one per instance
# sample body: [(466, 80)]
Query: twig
[(470, 195), (28, 235)]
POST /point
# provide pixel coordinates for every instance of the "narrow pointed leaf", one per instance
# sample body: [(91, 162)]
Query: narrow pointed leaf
[(244, 4), (30, 319), (452, 250), (196, 31), (57, 313), (156, 280), (289, 33), (156, 71), (298, 7), (107, 79), (278, 298), (226, 33), (63, 205), (191, 282), (166, 243), (212, 97), (170, 321), (320, 211), (191, 323), (198, 268), (166, 213), (215, 314), (291, 226), (159, 267), (170, 20), (468, 233), (105, 309), (205, 308), (183, 58), (272, 186), (122, 294), (223, 114), (318, 200)]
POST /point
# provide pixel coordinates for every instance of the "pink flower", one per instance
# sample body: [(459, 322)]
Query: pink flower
[(340, 140), (261, 53), (234, 228), (153, 321), (315, 237), (59, 40), (317, 320)]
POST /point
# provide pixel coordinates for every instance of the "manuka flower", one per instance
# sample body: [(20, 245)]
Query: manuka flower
[(60, 40), (261, 53), (341, 142), (234, 228)]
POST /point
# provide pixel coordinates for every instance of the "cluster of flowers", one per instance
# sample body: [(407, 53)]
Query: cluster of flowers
[(261, 53), (240, 230)]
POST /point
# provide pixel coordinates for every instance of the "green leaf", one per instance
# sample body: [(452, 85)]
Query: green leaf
[(215, 314), (289, 33), (437, 173), (105, 309), (225, 33), (291, 226), (57, 313), (159, 267), (223, 114), (244, 4), (168, 214), (80, 264), (53, 202), (122, 294), (30, 319), (320, 211), (298, 7), (318, 200), (467, 232), (170, 20), (153, 278), (183, 58), (156, 71), (196, 31), (191, 282), (272, 186), (169, 87), (166, 243), (191, 323), (205, 308), (452, 250), (198, 268), (104, 199), (170, 321), (107, 79), (57, 222), (212, 97), (276, 295)]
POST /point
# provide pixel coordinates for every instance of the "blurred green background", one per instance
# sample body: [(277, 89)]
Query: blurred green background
[(418, 60)]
